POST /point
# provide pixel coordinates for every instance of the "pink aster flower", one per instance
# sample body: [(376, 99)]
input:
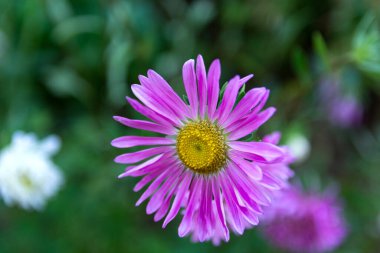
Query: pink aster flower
[(201, 165), (301, 222)]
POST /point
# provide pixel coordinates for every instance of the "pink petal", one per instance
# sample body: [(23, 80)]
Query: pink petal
[(280, 170), (248, 213), (158, 197), (262, 103), (153, 186), (242, 200), (186, 223), (170, 93), (251, 124), (165, 160), (141, 155), (144, 164), (145, 125), (243, 108), (265, 150), (213, 78), (229, 99), (190, 83), (245, 194), (202, 85), (251, 169), (155, 102), (271, 183), (204, 226), (273, 138), (252, 189), (133, 141), (149, 113), (241, 122), (219, 207), (165, 206), (182, 189), (163, 93), (231, 206), (145, 180)]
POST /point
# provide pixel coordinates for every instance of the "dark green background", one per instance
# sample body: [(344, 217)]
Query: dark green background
[(65, 67)]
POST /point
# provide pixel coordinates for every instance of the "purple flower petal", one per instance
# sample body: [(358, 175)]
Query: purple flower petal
[(158, 197), (251, 169), (153, 186), (142, 165), (229, 99), (165, 206), (273, 138), (141, 155), (145, 125), (133, 141), (156, 103), (164, 160), (202, 85), (243, 108), (220, 211), (182, 189), (213, 78), (250, 124), (190, 83), (170, 93), (150, 114), (157, 85), (186, 223), (268, 151)]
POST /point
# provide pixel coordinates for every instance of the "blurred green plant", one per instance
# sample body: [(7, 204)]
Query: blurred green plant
[(366, 46), (65, 67)]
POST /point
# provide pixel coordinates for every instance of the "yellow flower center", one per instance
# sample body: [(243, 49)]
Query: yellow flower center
[(202, 147)]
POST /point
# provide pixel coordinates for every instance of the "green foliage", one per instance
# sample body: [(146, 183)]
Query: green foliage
[(321, 50), (66, 66), (366, 46)]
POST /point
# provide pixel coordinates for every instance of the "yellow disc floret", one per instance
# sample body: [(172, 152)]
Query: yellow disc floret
[(202, 147)]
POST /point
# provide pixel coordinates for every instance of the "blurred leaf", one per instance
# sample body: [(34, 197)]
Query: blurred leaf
[(73, 26), (4, 44), (118, 57), (222, 90), (186, 99), (241, 93), (321, 50), (201, 12), (301, 67), (366, 46), (58, 10), (63, 81)]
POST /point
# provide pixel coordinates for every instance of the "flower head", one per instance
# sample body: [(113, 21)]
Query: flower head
[(201, 164), (301, 222), (27, 175)]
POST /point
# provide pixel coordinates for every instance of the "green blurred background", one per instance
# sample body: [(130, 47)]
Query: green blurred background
[(65, 67)]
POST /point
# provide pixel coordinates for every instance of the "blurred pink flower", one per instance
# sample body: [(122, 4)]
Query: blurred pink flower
[(342, 109), (305, 222)]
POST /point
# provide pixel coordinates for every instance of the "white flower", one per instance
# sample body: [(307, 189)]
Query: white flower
[(299, 147), (28, 177)]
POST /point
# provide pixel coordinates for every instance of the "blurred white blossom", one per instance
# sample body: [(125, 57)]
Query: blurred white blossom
[(28, 177), (299, 147)]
